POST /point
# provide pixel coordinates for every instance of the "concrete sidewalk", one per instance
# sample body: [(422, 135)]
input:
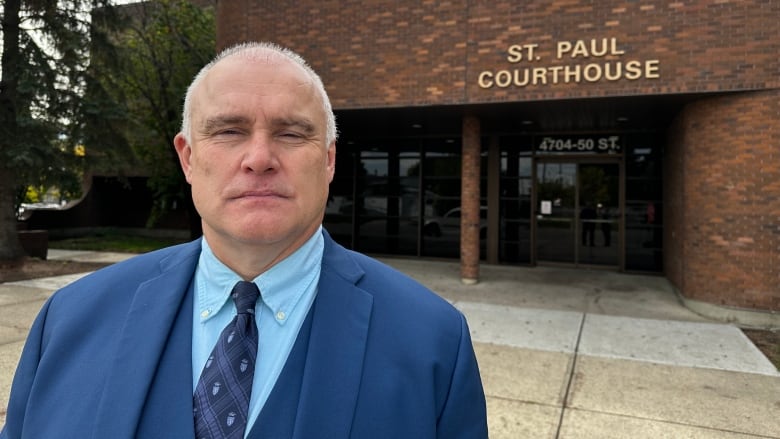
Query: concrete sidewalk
[(570, 353), (563, 353)]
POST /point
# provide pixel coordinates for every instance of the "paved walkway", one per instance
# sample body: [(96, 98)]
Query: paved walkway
[(563, 353)]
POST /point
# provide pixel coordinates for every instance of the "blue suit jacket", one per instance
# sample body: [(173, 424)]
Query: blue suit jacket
[(386, 357)]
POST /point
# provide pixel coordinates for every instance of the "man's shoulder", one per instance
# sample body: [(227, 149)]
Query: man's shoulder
[(365, 270), (141, 267), (386, 284), (112, 290)]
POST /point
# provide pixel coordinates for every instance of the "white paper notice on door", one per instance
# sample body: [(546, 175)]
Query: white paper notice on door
[(546, 207)]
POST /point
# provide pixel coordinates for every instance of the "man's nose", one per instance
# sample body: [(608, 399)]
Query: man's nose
[(260, 155)]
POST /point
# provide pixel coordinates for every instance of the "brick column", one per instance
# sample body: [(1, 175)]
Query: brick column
[(469, 217)]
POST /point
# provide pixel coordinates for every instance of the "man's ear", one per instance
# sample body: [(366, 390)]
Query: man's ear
[(184, 151), (331, 160)]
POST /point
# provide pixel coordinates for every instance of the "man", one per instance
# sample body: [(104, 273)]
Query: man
[(345, 346)]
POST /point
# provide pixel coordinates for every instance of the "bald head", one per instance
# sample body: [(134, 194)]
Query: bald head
[(263, 52)]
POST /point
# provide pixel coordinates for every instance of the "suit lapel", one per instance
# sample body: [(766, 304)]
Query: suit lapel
[(143, 340), (331, 380)]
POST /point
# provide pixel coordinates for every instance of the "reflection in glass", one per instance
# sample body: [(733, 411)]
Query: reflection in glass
[(599, 212), (515, 186), (578, 214), (555, 221), (644, 204), (441, 215)]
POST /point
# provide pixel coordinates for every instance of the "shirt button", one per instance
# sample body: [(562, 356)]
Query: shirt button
[(205, 313), (281, 315)]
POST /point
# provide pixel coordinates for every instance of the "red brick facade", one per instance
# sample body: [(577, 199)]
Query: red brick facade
[(379, 53), (722, 165), (722, 195)]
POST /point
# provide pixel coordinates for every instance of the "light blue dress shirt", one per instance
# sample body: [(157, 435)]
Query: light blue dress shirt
[(287, 290)]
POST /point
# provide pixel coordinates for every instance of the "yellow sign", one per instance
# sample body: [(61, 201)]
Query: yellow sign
[(610, 65)]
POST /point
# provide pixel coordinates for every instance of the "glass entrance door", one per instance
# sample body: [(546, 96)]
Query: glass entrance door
[(578, 213), (556, 225)]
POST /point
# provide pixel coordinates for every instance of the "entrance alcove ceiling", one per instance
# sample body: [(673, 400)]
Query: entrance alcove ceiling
[(580, 115)]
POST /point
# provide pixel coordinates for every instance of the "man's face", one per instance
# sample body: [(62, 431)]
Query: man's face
[(257, 162)]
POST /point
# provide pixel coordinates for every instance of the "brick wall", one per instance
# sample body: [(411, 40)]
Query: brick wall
[(387, 53), (722, 197)]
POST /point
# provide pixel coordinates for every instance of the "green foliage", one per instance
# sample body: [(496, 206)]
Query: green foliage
[(160, 49), (46, 50), (85, 73), (47, 83)]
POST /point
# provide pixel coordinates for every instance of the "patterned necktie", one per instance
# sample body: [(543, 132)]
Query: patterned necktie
[(221, 399)]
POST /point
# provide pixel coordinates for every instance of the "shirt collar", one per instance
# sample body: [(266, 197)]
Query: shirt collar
[(281, 287)]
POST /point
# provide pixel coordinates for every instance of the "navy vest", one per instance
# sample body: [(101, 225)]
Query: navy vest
[(278, 416)]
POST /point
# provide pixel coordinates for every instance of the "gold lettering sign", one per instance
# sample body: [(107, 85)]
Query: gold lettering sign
[(593, 69)]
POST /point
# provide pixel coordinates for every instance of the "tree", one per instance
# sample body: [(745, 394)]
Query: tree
[(46, 48), (162, 46)]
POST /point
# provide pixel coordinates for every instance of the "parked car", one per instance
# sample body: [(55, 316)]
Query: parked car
[(449, 224)]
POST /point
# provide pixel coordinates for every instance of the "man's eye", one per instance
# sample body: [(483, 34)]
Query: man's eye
[(227, 132), (290, 136)]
